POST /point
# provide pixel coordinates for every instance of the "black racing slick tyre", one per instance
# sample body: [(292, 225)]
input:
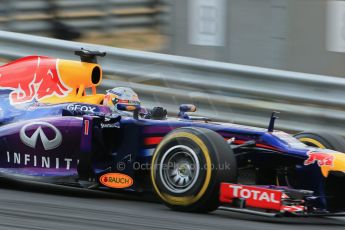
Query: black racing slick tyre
[(188, 166), (322, 140)]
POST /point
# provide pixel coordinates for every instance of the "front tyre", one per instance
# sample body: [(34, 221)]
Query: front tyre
[(322, 140), (188, 166)]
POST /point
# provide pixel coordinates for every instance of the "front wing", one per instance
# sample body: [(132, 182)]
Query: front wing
[(270, 201)]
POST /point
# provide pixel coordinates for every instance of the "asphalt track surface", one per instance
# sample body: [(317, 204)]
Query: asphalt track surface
[(33, 206)]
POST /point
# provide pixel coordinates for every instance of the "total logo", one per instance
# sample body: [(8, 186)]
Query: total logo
[(240, 192), (255, 196), (39, 133), (116, 180), (84, 108)]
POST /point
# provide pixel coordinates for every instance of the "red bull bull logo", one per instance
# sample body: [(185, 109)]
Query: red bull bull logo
[(32, 78), (322, 159)]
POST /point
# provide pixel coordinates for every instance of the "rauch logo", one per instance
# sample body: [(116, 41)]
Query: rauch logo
[(116, 180)]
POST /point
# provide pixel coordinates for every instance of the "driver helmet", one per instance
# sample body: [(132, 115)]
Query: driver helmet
[(122, 96)]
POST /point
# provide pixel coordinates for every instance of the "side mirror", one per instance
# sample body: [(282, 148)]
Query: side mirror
[(184, 108)]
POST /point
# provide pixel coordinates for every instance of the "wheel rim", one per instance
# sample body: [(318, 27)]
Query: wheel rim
[(179, 169), (312, 142)]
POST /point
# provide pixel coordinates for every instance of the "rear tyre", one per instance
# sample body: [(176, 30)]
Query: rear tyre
[(188, 166), (322, 140)]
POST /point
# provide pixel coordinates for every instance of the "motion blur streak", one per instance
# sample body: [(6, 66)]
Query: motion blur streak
[(78, 209)]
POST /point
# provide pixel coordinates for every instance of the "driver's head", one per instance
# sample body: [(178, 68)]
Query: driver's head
[(122, 96)]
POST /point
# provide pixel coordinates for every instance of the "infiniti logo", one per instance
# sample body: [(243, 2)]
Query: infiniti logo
[(32, 141)]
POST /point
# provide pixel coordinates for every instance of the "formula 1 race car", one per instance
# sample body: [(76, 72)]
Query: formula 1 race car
[(56, 129)]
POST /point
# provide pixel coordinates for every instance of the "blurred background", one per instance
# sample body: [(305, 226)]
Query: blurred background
[(298, 35), (122, 23)]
